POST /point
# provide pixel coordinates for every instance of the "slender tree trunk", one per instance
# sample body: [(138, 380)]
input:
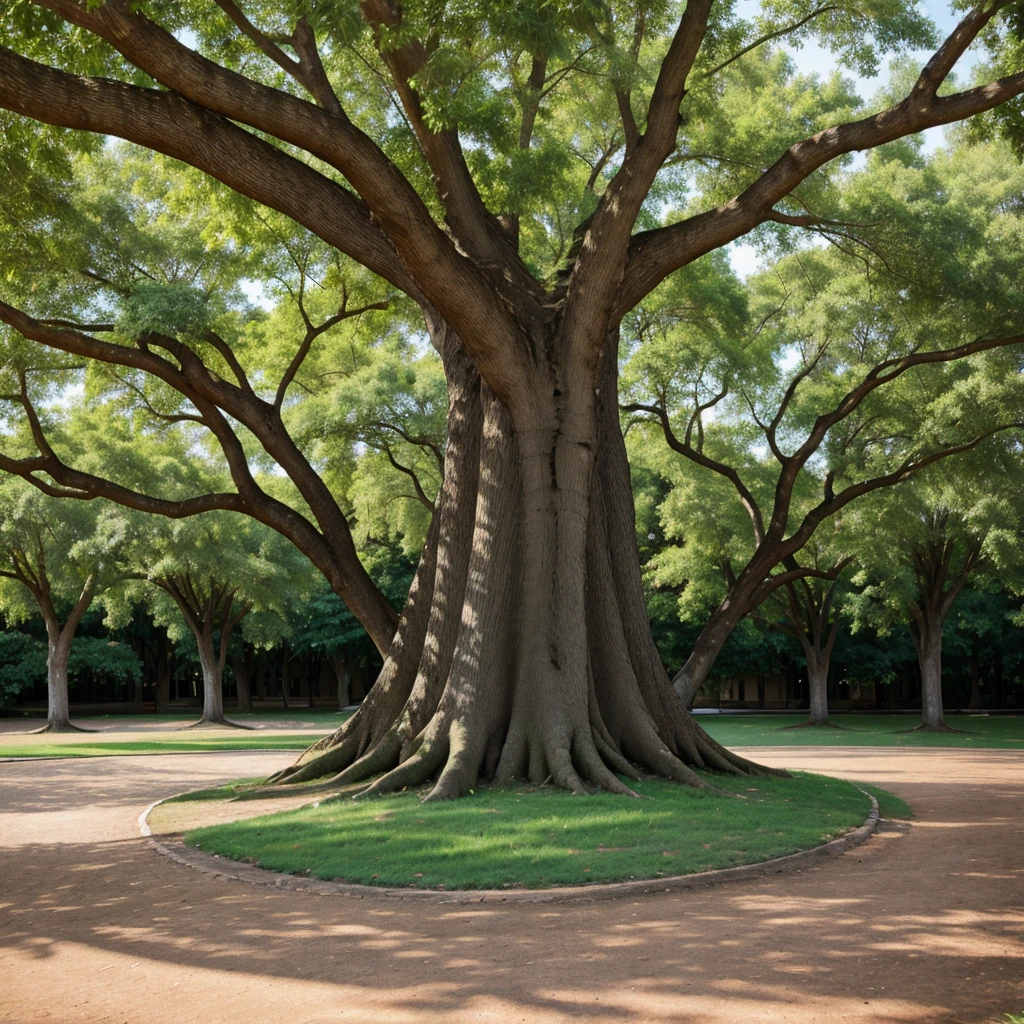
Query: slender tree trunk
[(58, 712), (524, 651), (213, 681), (286, 679), (243, 679), (817, 680), (694, 673), (340, 668), (59, 638), (927, 636), (717, 630)]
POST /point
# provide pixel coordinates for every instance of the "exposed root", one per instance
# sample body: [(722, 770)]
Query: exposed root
[(54, 729), (410, 773), (216, 723)]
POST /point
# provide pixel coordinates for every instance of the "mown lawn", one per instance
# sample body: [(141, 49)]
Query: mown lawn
[(198, 744), (972, 731), (535, 838), (994, 731)]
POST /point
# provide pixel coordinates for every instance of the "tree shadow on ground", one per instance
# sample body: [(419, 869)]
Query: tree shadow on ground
[(925, 922)]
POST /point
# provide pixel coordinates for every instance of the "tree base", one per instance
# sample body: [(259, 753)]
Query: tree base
[(935, 728), (217, 723), (524, 651), (64, 728)]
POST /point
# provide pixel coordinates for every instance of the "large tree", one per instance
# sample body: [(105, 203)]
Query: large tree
[(507, 173)]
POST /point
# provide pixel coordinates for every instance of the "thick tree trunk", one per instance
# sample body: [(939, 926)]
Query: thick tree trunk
[(524, 651), (927, 637)]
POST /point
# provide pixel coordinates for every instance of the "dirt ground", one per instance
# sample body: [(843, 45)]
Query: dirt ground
[(922, 923)]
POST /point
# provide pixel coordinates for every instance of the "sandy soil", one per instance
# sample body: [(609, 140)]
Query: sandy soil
[(922, 923)]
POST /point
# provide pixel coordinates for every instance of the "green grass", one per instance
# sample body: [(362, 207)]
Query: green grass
[(535, 838), (889, 804), (225, 792), (328, 717), (246, 741), (1000, 732), (1014, 1018)]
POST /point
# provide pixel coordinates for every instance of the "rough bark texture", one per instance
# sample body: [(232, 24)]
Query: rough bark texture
[(938, 584), (817, 677), (58, 651), (524, 651), (927, 636), (213, 680)]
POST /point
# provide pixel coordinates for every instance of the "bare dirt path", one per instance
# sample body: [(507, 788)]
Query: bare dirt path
[(922, 924)]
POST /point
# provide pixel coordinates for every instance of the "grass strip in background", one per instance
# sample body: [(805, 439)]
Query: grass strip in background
[(197, 745), (1000, 732), (535, 838), (997, 732)]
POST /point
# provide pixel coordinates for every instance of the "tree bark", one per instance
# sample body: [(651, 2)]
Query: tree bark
[(927, 637), (817, 679), (739, 602), (213, 680), (524, 651), (58, 712), (59, 639)]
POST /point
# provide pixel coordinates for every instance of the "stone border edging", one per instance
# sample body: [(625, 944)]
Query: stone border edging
[(213, 864)]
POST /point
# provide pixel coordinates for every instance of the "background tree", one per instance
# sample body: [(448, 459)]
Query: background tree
[(944, 530), (809, 609), (55, 557), (214, 573), (830, 376), (976, 631), (481, 237)]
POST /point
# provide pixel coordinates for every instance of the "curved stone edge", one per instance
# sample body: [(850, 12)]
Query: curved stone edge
[(220, 867)]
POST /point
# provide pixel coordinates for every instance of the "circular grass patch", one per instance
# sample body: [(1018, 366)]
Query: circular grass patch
[(520, 837)]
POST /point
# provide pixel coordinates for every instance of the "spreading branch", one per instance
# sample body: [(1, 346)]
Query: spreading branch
[(655, 254)]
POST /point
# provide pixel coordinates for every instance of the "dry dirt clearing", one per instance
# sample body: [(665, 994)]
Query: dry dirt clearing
[(922, 923)]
